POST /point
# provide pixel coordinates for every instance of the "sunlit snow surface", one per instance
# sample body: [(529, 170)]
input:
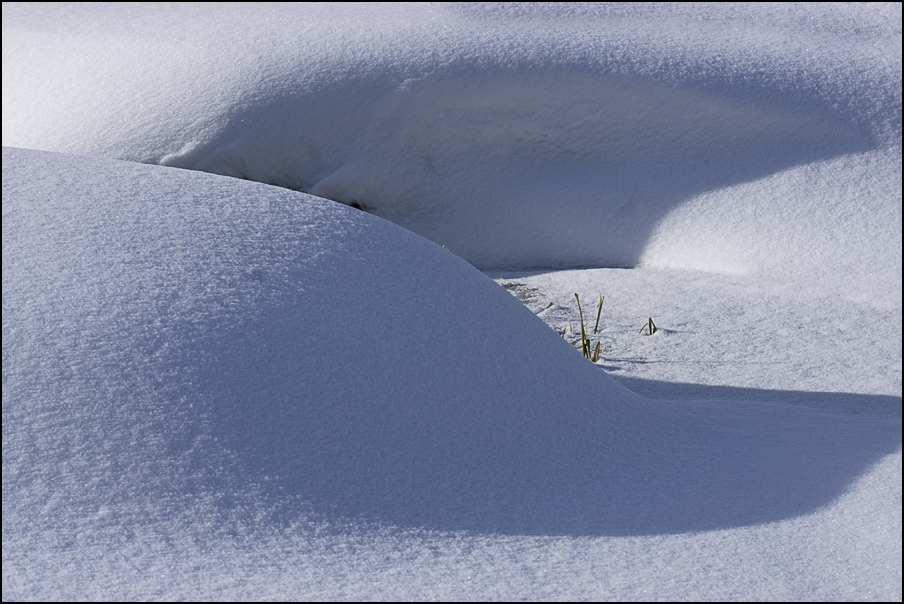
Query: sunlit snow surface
[(517, 136), (219, 389)]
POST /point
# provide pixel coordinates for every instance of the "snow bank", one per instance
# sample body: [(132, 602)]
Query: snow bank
[(215, 388), (175, 337), (540, 135), (164, 318)]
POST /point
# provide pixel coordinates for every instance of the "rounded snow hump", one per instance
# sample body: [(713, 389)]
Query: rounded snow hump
[(180, 347)]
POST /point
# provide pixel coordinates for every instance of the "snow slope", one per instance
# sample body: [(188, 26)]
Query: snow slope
[(223, 389), (549, 135), (190, 355)]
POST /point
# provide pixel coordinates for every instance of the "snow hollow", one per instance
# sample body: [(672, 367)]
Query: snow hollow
[(220, 383)]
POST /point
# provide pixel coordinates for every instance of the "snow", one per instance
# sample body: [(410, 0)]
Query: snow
[(217, 388), (471, 126)]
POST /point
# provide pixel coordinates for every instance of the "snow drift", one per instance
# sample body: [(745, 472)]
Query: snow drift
[(517, 136), (175, 339), (216, 388)]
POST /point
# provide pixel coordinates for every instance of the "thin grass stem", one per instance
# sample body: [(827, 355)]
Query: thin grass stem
[(599, 311)]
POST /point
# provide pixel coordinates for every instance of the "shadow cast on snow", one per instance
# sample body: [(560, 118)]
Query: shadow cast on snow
[(590, 186), (876, 405), (648, 468)]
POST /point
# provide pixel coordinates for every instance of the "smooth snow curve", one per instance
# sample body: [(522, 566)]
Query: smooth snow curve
[(517, 136), (214, 388), (176, 337)]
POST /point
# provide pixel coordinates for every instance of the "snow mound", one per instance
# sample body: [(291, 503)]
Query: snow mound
[(518, 136), (189, 352)]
